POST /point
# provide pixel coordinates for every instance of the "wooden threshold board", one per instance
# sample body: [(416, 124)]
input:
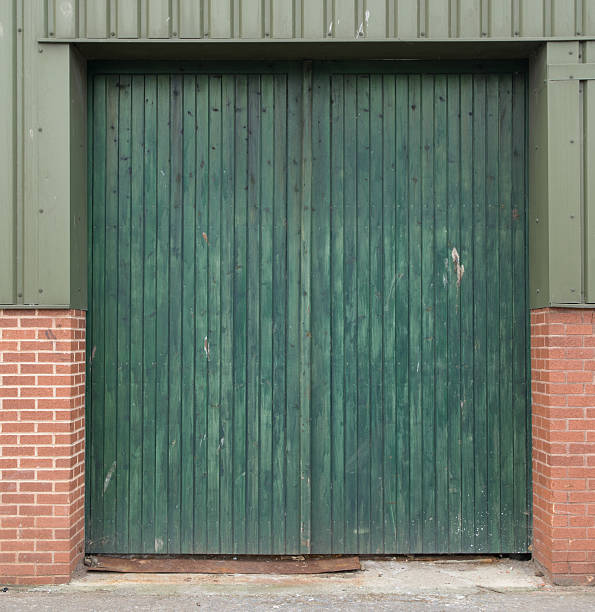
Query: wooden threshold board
[(159, 564)]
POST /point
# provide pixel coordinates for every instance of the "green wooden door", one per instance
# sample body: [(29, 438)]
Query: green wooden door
[(281, 355)]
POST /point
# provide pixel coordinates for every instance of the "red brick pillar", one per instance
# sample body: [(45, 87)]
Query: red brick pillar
[(563, 389), (42, 441)]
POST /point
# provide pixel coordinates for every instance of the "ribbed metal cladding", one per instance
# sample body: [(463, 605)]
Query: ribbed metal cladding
[(319, 19)]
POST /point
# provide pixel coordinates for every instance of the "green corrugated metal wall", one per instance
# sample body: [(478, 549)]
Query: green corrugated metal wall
[(281, 357), (319, 19)]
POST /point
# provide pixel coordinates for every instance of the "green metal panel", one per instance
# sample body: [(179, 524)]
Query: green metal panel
[(282, 355), (8, 153), (319, 20), (589, 193)]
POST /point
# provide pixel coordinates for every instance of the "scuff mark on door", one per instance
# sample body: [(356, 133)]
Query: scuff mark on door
[(456, 259)]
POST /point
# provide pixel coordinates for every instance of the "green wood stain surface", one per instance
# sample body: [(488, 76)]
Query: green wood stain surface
[(283, 356)]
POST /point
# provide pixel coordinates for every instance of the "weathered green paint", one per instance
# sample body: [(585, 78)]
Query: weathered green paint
[(281, 357), (42, 170)]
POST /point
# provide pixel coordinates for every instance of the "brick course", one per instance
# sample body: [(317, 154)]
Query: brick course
[(563, 390), (42, 445)]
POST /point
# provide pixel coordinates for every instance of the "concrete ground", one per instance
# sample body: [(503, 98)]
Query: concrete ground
[(499, 584)]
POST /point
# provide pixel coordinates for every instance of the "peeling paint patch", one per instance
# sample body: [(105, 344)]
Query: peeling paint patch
[(108, 478), (205, 237), (158, 544), (207, 348), (456, 259)]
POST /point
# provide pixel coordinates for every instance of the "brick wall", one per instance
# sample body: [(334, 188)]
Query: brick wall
[(42, 403), (563, 389)]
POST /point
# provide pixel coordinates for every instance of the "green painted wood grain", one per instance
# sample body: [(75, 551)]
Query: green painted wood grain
[(401, 291), (149, 265), (136, 312), (189, 319), (377, 441), (453, 204), (163, 177), (214, 238), (227, 300), (175, 297), (337, 228), (283, 359)]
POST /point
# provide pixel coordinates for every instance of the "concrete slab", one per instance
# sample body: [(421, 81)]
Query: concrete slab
[(501, 584)]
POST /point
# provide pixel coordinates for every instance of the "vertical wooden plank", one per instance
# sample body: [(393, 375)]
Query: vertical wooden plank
[(305, 310), (363, 312), (220, 19), (295, 121), (128, 19), (441, 267), (415, 316), (96, 365), (239, 315), (149, 314), (506, 297), (136, 312), (500, 18), (338, 500), (532, 18), (110, 464), (227, 323), (282, 19), (402, 337), (176, 125), (267, 195), (437, 19), (90, 340), (189, 320), (201, 358), (321, 315), (427, 355), (253, 316), (465, 250), (454, 313), (159, 18), (520, 314), (162, 404), (469, 19), (376, 318), (191, 19), (389, 329), (279, 294), (406, 15), (213, 340), (350, 306), (96, 19), (493, 314), (251, 19), (478, 277)]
